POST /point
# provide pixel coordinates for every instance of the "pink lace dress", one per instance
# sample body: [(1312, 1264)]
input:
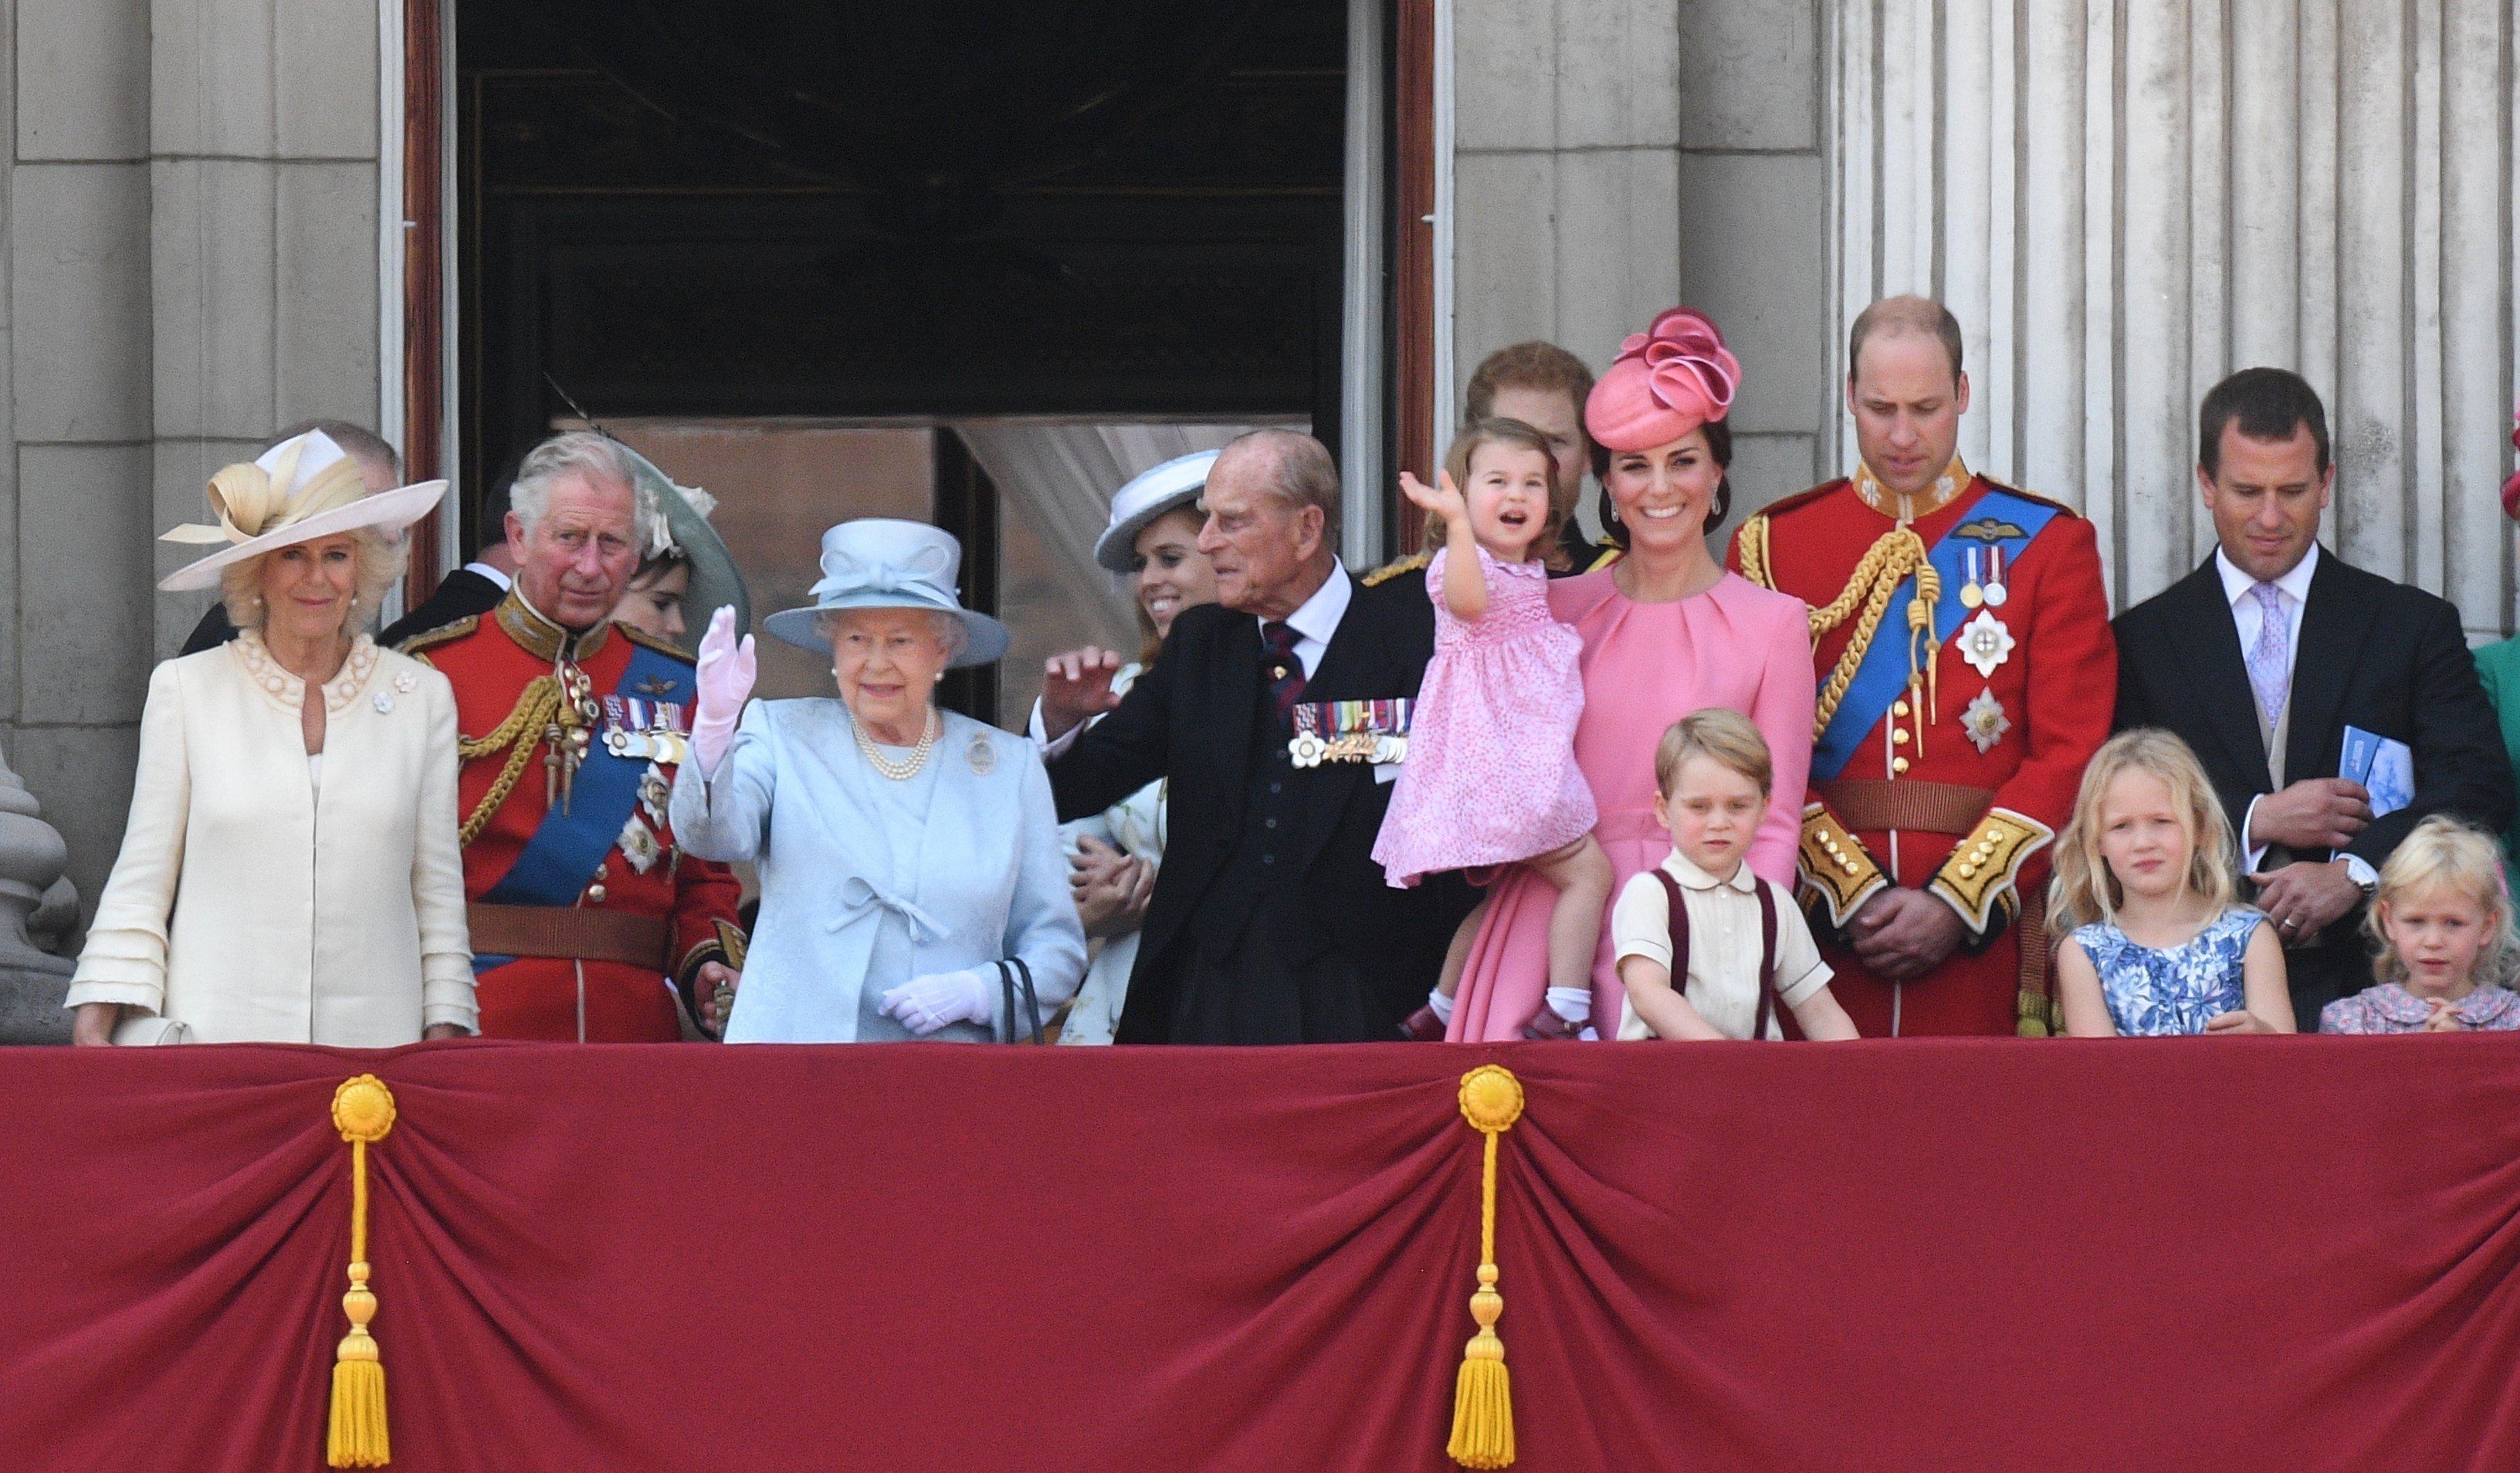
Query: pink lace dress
[(1491, 776)]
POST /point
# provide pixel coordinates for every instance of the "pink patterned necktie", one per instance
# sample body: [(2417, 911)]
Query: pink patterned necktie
[(2269, 659)]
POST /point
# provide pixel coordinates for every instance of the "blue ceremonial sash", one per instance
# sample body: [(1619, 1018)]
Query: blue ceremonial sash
[(557, 863), (1999, 520)]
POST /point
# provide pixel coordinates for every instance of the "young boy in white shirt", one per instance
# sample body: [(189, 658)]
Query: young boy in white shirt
[(1713, 774)]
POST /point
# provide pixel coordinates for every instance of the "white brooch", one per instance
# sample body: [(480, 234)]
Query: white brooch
[(384, 702), (1307, 750), (406, 683), (1985, 721), (1985, 643), (638, 845), (982, 756)]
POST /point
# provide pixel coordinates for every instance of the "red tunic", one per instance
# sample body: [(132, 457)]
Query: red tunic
[(490, 660), (2041, 713)]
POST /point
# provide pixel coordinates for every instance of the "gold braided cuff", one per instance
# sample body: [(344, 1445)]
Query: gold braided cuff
[(1977, 880), (731, 938), (1834, 866)]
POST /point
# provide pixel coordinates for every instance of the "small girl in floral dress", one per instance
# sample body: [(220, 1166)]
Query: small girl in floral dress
[(2143, 883), (2442, 922), (1491, 777)]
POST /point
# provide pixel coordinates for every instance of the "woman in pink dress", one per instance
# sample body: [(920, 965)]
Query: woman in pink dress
[(1666, 632)]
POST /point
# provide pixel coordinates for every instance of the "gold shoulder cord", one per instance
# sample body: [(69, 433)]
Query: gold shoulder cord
[(1890, 562), (535, 711)]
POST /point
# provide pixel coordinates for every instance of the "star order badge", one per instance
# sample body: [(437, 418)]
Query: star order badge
[(1985, 721), (1985, 643)]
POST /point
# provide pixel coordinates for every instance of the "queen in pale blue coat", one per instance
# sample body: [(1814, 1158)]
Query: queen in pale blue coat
[(906, 852)]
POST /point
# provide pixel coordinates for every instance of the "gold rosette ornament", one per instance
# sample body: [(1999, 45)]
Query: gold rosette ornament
[(1491, 1100), (363, 1111)]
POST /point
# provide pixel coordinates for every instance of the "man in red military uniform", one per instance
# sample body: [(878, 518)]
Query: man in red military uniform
[(584, 909), (1966, 674)]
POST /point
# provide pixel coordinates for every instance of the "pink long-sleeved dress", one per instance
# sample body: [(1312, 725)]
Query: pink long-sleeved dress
[(1645, 666)]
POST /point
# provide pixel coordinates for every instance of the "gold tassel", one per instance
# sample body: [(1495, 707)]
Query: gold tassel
[(1483, 1396), (363, 1110)]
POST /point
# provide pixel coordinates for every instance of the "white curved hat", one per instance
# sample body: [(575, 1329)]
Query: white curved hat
[(298, 490), (1175, 483)]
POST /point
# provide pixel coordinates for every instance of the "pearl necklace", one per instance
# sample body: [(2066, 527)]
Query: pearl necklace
[(908, 768)]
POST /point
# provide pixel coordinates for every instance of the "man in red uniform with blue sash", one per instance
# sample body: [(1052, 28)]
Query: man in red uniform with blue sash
[(586, 917), (1966, 674)]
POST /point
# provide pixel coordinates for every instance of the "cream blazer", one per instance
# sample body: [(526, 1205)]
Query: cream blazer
[(256, 904)]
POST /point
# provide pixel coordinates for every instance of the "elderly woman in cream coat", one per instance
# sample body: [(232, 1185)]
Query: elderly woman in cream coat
[(290, 872), (911, 868)]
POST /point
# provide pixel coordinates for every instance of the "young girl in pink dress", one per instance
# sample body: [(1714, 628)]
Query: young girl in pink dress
[(1491, 777)]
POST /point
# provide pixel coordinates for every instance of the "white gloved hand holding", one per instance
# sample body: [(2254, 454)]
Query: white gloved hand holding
[(725, 675), (923, 1004)]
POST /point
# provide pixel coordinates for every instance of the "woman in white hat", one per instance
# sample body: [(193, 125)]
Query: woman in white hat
[(259, 896), (911, 882), (1153, 542)]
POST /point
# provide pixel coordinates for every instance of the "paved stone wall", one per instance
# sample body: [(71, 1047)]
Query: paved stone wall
[(190, 257), (1615, 156)]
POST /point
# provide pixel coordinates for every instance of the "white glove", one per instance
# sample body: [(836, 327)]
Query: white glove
[(725, 674), (923, 1004)]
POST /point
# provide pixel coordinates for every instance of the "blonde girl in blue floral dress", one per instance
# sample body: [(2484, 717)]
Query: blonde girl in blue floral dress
[(2156, 943)]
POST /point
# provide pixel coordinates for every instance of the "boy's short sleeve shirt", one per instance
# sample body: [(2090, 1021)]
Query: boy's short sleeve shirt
[(1723, 982)]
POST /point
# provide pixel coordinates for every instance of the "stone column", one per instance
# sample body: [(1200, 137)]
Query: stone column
[(33, 897)]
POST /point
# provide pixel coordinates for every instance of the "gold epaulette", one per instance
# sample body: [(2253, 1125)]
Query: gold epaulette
[(1835, 864), (646, 640), (443, 634), (1390, 570), (1978, 880)]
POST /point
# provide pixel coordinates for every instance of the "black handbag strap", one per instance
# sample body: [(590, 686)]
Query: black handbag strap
[(1009, 972)]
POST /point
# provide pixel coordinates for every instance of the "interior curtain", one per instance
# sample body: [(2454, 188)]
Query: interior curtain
[(1059, 478)]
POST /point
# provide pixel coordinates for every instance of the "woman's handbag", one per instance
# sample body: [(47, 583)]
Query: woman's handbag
[(142, 1029), (1009, 972)]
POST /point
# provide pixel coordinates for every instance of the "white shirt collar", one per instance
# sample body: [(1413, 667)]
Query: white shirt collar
[(485, 570), (1691, 878), (2236, 584), (1318, 617)]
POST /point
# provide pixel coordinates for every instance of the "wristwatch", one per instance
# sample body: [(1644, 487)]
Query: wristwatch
[(2358, 870)]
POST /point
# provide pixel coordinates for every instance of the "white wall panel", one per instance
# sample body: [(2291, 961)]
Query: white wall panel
[(2126, 199)]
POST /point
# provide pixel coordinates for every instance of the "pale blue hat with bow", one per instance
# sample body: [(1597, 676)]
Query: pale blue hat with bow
[(881, 563)]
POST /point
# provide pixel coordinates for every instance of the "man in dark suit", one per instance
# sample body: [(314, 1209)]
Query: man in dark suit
[(1270, 922), (2261, 658)]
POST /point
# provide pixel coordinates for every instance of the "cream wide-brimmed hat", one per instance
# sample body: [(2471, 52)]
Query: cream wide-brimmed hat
[(298, 490), (1168, 487), (880, 562)]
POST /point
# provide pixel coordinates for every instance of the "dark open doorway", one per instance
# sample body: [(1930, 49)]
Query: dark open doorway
[(636, 222)]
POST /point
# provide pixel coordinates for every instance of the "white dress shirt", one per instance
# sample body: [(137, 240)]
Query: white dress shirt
[(2292, 591), (485, 570)]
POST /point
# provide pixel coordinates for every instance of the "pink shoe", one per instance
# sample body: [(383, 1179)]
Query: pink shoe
[(1546, 1027), (1423, 1026)]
